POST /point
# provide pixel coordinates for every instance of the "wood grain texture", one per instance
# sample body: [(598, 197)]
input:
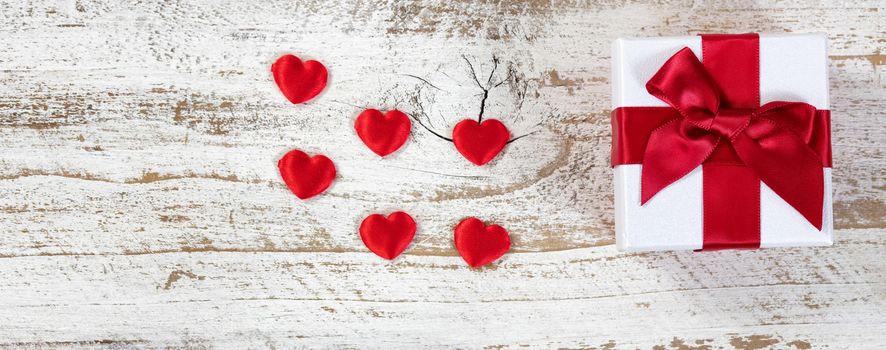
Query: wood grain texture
[(142, 208)]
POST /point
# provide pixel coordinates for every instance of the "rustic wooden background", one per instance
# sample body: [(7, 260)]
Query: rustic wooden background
[(141, 206)]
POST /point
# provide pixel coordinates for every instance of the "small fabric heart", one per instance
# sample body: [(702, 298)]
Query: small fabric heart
[(383, 133), (299, 81), (479, 244), (479, 143), (389, 236), (306, 176)]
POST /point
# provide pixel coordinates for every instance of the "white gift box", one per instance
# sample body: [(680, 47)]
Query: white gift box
[(793, 67)]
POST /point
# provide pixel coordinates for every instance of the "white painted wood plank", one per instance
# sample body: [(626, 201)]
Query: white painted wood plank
[(585, 296)]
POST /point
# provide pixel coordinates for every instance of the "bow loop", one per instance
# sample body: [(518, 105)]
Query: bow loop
[(801, 113), (683, 83)]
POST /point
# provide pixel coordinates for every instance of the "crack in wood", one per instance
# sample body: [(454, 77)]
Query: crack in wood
[(420, 115)]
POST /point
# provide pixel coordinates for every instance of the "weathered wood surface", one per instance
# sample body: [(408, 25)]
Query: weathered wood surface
[(141, 205)]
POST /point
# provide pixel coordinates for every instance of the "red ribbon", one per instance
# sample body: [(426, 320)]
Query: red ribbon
[(716, 121)]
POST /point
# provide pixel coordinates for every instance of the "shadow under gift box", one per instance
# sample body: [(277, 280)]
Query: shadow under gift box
[(793, 67)]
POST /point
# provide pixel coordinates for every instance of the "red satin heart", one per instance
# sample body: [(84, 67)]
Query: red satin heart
[(383, 133), (306, 176), (480, 143), (299, 81), (387, 237), (479, 244)]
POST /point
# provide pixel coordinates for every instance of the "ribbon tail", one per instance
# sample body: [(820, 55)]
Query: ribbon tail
[(674, 149), (786, 164)]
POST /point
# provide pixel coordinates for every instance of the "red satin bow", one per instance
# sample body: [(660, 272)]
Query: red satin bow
[(763, 138)]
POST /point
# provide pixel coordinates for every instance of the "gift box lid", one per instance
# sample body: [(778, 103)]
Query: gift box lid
[(793, 67)]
